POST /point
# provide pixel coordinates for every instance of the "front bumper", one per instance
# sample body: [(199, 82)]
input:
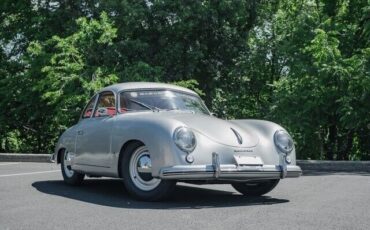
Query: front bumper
[(229, 172)]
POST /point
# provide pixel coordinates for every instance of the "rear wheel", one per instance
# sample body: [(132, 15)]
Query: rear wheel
[(256, 188), (136, 168), (69, 175)]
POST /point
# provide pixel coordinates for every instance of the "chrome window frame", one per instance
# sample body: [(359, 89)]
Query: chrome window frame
[(83, 111), (96, 102)]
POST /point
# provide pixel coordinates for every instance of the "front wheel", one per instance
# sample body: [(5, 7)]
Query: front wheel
[(256, 188), (136, 169), (69, 175)]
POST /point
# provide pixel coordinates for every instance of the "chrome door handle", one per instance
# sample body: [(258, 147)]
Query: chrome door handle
[(80, 132)]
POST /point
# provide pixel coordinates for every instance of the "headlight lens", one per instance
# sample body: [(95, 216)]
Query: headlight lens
[(283, 141), (184, 139)]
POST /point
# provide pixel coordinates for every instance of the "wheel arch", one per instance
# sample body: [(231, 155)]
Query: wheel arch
[(156, 134), (122, 152), (58, 158)]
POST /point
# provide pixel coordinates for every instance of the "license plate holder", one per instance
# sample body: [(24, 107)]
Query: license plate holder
[(248, 160)]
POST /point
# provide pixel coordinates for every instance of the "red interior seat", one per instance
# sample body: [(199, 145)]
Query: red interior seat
[(111, 111)]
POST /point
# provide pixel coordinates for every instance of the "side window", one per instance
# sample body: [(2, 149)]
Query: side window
[(89, 108), (123, 103), (106, 105)]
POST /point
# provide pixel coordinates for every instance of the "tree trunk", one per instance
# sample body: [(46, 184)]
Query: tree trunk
[(347, 146), (332, 141)]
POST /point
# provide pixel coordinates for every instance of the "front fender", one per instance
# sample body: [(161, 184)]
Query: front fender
[(156, 134)]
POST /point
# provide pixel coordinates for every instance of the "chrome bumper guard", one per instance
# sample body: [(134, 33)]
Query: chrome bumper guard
[(218, 171)]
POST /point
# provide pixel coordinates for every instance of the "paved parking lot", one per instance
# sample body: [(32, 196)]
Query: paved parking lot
[(33, 196)]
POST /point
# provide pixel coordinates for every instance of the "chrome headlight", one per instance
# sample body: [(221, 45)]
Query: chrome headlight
[(283, 141), (184, 138)]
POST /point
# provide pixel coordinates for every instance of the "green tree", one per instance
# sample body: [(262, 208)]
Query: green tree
[(324, 99), (301, 63)]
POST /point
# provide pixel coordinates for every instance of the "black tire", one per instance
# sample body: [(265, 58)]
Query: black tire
[(256, 188), (76, 178), (160, 192)]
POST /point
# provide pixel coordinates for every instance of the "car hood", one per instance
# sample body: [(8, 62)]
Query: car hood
[(218, 130)]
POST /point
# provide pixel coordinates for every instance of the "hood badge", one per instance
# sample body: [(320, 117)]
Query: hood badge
[(240, 139)]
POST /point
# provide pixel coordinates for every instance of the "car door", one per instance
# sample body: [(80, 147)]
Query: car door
[(93, 141)]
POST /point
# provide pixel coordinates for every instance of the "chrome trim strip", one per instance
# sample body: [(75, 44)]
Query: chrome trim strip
[(90, 165), (238, 137)]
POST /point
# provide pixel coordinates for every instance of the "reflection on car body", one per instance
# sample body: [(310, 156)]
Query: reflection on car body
[(153, 135)]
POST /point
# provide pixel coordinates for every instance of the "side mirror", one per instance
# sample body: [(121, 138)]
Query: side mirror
[(213, 114)]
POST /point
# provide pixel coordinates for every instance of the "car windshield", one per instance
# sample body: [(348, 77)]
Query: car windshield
[(161, 100)]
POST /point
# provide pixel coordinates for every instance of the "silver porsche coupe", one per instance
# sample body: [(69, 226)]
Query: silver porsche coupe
[(153, 135)]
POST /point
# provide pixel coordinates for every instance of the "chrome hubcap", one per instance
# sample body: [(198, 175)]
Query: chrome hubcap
[(141, 170), (67, 164)]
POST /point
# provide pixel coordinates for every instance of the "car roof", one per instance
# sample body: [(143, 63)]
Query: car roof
[(144, 85)]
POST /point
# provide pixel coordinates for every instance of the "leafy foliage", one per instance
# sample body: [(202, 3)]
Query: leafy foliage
[(303, 64)]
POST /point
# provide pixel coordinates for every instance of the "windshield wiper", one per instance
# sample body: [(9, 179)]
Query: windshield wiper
[(153, 108), (181, 110)]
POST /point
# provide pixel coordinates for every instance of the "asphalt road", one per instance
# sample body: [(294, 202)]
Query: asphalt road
[(33, 196)]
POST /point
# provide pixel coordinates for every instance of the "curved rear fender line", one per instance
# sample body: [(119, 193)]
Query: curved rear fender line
[(58, 148), (266, 130), (155, 135), (58, 158), (66, 141)]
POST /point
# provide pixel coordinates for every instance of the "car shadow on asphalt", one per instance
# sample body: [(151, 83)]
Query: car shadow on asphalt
[(111, 192), (328, 173)]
